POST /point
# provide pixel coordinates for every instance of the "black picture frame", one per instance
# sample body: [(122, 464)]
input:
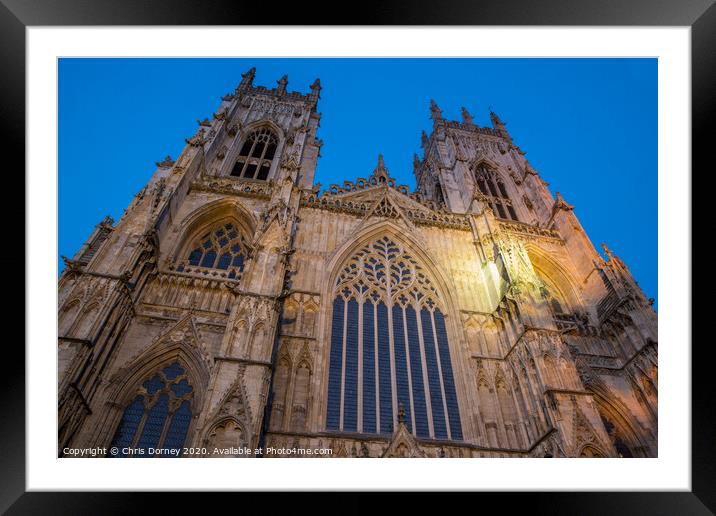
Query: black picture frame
[(16, 15)]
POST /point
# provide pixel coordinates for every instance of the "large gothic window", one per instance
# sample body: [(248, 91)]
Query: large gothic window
[(492, 187), (256, 155), (389, 349), (158, 417), (219, 252)]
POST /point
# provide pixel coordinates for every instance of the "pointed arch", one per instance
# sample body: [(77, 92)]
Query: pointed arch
[(260, 124), (388, 332), (210, 213), (555, 276), (258, 334), (242, 146), (408, 240), (215, 240), (613, 412), (492, 184), (308, 319), (487, 162), (229, 433), (179, 347), (280, 390), (508, 409), (239, 334), (168, 348), (301, 391), (474, 334), (230, 423)]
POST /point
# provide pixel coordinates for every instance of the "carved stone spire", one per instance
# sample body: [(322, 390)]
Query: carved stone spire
[(282, 82), (613, 257), (495, 119), (424, 140), (401, 414), (499, 126), (467, 117), (607, 251), (316, 88), (380, 172), (416, 162), (435, 112), (247, 79)]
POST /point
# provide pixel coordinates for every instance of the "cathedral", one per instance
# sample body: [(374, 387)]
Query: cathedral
[(238, 308)]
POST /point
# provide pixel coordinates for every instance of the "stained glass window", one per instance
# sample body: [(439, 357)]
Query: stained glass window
[(256, 155), (387, 318), (158, 417), (218, 253), (336, 361)]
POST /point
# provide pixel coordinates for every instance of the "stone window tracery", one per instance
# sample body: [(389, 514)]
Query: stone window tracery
[(256, 155), (491, 186), (159, 415), (389, 348), (219, 252)]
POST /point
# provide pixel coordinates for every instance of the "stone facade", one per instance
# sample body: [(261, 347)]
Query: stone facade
[(219, 298)]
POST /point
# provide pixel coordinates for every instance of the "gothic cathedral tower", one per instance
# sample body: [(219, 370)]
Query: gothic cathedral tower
[(236, 305)]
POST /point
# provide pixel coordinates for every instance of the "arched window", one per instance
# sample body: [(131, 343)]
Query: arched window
[(220, 253), (158, 417), (256, 155), (389, 348), (491, 186)]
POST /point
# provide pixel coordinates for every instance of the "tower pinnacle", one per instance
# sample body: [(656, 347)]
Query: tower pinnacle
[(316, 87), (435, 112), (282, 83), (247, 79), (499, 126), (467, 117), (380, 172)]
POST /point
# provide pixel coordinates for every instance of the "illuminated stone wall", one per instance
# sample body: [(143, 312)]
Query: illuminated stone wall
[(550, 349)]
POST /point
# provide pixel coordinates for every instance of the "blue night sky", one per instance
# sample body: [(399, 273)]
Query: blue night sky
[(588, 126)]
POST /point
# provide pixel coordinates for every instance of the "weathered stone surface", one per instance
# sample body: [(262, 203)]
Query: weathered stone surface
[(553, 349)]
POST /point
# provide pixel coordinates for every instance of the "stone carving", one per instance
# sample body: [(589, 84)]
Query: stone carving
[(167, 162), (546, 339)]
